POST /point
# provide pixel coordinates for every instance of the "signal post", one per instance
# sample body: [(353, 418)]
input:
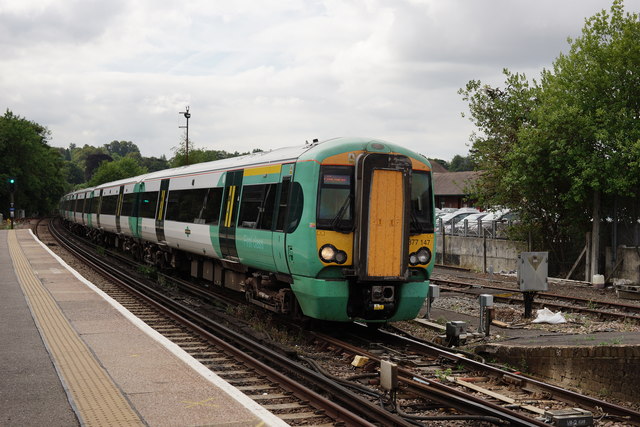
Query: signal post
[(12, 190)]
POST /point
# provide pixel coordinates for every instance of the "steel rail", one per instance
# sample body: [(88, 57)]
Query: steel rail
[(442, 393), (551, 296), (350, 404), (559, 393)]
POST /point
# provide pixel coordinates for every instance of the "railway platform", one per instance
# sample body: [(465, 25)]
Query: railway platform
[(70, 355)]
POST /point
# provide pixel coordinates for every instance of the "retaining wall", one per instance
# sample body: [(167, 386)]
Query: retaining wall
[(627, 263), (603, 371), (479, 254)]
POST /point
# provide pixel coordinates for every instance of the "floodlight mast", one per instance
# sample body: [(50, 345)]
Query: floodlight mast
[(187, 115)]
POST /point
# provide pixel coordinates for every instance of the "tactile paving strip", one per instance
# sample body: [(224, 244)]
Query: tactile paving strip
[(95, 397)]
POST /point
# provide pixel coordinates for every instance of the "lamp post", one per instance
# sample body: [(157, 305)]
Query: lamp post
[(187, 115)]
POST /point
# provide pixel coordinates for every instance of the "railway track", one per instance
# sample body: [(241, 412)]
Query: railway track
[(434, 384), (510, 294), (265, 375), (437, 375)]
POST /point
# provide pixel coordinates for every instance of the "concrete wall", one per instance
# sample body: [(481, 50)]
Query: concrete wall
[(601, 371), (470, 252), (629, 267)]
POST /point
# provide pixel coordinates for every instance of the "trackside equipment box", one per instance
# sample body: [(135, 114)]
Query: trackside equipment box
[(533, 271)]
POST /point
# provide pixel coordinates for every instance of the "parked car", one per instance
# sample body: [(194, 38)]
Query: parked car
[(472, 224), (453, 217), (498, 220)]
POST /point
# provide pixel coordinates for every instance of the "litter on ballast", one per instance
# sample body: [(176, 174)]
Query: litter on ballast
[(547, 316)]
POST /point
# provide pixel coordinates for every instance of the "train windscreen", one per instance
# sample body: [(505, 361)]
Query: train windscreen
[(421, 203), (335, 198)]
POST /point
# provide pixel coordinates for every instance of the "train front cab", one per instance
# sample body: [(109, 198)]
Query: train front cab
[(374, 237)]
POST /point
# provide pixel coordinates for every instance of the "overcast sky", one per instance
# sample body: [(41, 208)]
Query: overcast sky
[(270, 73)]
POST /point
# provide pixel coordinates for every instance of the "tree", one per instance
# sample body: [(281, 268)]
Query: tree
[(154, 164), (88, 158), (75, 175), (499, 115), (198, 155), (461, 164), (560, 149), (121, 148), (93, 162), (116, 170), (37, 168)]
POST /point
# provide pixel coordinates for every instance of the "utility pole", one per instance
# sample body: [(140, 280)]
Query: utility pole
[(595, 236), (187, 115)]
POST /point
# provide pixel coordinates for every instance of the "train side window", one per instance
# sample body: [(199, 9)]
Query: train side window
[(173, 206), (256, 206), (285, 188), (192, 202), (296, 204), (147, 204), (128, 202), (211, 211), (250, 205), (265, 221), (186, 205), (95, 205), (109, 204)]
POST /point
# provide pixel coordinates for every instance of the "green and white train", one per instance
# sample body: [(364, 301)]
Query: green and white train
[(337, 230)]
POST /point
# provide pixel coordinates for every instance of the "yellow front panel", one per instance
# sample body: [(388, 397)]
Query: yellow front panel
[(386, 207), (422, 241), (341, 241)]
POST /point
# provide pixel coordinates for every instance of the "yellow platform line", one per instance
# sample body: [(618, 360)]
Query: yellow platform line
[(95, 398)]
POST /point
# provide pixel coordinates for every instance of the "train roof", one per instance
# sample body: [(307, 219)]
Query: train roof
[(279, 155), (314, 149)]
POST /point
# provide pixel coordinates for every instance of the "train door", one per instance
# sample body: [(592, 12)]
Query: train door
[(75, 208), (384, 203), (162, 207), (88, 209), (282, 208), (230, 200), (119, 208), (135, 222), (85, 209), (97, 208)]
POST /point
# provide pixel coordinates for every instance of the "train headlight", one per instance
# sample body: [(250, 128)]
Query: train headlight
[(328, 253), (424, 256)]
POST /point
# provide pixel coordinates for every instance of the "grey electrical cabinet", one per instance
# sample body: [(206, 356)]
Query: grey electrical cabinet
[(533, 271)]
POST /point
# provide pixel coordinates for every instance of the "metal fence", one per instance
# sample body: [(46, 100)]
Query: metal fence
[(479, 228)]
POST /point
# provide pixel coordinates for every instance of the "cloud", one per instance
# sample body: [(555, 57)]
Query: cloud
[(25, 25), (273, 73)]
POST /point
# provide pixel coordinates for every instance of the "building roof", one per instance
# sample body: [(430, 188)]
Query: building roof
[(453, 183), (437, 167)]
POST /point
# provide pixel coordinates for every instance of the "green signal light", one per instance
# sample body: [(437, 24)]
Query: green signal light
[(12, 181)]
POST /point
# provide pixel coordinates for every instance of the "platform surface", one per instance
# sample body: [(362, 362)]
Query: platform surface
[(72, 356)]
